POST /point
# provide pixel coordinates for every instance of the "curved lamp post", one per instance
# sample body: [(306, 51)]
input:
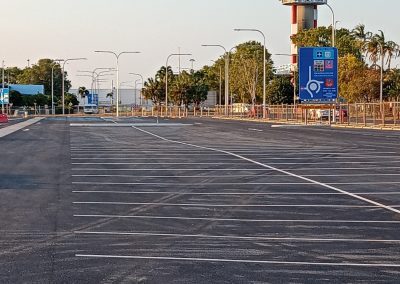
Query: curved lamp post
[(63, 81), (264, 66), (166, 78), (117, 62)]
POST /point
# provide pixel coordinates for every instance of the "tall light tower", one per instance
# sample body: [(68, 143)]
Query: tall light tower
[(304, 17)]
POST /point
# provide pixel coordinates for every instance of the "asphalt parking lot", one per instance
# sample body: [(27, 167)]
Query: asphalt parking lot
[(89, 200)]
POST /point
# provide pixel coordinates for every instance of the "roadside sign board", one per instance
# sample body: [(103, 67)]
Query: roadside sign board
[(93, 99), (318, 74), (5, 96)]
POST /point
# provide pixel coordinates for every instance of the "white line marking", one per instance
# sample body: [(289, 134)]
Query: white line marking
[(344, 169), (127, 124), (237, 220), (339, 162), (176, 169), (186, 184), (254, 129), (229, 193), (140, 158), (274, 158), (210, 169), (171, 176), (226, 205), (223, 176), (281, 171), (240, 261), (291, 239), (161, 163)]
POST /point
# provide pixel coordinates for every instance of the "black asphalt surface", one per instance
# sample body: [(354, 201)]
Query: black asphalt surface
[(207, 201)]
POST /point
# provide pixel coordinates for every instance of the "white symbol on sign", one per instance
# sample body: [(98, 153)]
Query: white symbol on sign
[(313, 86)]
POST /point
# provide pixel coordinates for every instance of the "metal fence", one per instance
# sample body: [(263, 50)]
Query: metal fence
[(358, 114)]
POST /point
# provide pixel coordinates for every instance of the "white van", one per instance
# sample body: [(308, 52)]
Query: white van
[(90, 109)]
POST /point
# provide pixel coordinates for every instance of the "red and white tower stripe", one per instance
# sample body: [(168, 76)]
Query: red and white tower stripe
[(301, 20)]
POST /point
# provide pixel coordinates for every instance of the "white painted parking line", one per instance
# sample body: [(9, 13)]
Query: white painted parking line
[(235, 175), (170, 169), (259, 238), (365, 183), (143, 158), (240, 220), (173, 176), (343, 169), (227, 193), (273, 158), (339, 162), (159, 163), (297, 263), (188, 184), (389, 208), (227, 169), (116, 124), (226, 205)]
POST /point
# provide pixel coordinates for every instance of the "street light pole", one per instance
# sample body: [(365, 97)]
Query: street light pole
[(333, 25), (136, 81), (52, 84), (166, 77), (192, 61), (226, 74), (381, 83), (141, 77), (117, 61), (63, 81), (264, 67)]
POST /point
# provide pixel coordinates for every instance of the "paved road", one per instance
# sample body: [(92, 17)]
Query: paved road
[(202, 202)]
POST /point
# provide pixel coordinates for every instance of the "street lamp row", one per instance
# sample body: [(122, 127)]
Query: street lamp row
[(117, 63)]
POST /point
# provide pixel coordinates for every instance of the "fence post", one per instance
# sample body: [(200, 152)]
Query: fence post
[(365, 114), (356, 114)]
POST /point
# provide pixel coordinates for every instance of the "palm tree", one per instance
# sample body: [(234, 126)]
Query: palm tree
[(153, 90), (359, 33), (111, 96), (83, 92), (378, 42), (392, 50), (362, 36)]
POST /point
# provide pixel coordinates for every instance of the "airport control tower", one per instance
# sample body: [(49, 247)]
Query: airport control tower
[(304, 16)]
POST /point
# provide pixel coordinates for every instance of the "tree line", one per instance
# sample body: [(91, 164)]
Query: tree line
[(245, 80), (359, 72), (39, 74)]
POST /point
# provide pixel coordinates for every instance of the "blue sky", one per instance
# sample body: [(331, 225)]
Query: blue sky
[(75, 28)]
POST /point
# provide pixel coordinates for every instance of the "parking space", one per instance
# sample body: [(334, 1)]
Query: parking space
[(220, 202)]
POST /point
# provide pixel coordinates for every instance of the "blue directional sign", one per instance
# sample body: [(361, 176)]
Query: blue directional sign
[(93, 99), (318, 74), (5, 96)]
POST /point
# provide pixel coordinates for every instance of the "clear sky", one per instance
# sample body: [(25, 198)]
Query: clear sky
[(75, 28)]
